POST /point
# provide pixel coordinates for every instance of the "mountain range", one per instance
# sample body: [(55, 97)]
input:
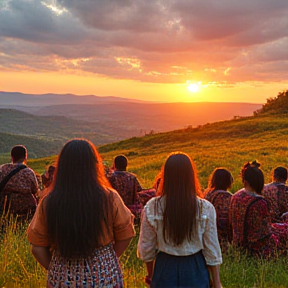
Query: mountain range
[(59, 117)]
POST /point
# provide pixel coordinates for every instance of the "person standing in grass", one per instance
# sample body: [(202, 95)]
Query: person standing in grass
[(249, 215), (178, 235), (217, 193), (276, 193), (81, 226)]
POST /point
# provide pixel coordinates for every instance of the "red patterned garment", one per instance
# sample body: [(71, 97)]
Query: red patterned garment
[(277, 196), (249, 215), (18, 196), (127, 185), (221, 201)]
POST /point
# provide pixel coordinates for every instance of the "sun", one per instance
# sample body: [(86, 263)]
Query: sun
[(193, 87)]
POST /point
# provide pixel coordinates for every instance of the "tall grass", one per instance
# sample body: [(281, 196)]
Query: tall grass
[(227, 143), (18, 268)]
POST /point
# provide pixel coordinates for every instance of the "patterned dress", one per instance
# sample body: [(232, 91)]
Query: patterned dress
[(249, 214), (277, 196), (18, 196), (221, 201), (101, 268)]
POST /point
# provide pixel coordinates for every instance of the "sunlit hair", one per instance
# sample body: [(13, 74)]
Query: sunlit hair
[(77, 205), (253, 175), (180, 186), (220, 179)]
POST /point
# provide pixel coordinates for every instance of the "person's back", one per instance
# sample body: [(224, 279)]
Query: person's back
[(250, 217), (219, 182), (124, 182), (127, 185), (276, 193), (178, 231), (17, 197), (81, 226)]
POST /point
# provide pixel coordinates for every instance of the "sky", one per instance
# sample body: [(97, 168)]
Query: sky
[(155, 50)]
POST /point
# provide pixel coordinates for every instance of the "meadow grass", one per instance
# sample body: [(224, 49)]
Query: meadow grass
[(227, 144), (18, 268)]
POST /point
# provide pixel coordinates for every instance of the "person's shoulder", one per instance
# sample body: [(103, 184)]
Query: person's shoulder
[(207, 205), (6, 166), (269, 186), (238, 193), (28, 171)]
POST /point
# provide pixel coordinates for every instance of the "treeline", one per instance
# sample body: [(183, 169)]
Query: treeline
[(275, 105)]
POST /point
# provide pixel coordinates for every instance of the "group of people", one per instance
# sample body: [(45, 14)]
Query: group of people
[(253, 218), (85, 220)]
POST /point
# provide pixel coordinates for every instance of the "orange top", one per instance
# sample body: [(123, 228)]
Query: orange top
[(120, 223)]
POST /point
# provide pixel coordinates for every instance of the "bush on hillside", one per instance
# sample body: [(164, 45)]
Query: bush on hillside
[(275, 105)]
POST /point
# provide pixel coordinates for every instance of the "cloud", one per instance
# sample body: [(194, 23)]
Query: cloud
[(164, 41)]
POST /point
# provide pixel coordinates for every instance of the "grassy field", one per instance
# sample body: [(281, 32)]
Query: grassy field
[(228, 144)]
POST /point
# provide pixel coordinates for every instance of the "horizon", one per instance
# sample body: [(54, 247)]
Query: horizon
[(131, 100), (163, 51)]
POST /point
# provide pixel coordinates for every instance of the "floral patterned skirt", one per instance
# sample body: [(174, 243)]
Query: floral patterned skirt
[(102, 269)]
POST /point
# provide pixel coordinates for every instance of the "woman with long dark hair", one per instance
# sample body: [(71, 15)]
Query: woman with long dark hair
[(178, 231), (81, 226), (217, 193)]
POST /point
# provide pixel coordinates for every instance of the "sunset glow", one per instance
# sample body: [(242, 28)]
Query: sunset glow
[(78, 47), (194, 87)]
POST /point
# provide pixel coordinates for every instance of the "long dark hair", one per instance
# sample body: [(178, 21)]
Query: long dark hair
[(220, 179), (253, 175), (77, 205), (180, 187)]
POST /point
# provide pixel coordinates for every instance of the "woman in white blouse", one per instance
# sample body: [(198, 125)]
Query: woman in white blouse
[(178, 231)]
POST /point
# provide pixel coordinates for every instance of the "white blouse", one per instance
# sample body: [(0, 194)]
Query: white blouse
[(151, 233)]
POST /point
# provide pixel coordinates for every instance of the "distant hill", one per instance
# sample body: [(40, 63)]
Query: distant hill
[(227, 144), (138, 117), (57, 118), (40, 100), (158, 117), (45, 135)]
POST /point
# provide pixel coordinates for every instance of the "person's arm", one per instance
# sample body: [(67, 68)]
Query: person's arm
[(42, 255), (121, 245), (214, 276), (211, 251)]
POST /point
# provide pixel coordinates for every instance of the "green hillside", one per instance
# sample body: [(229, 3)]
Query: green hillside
[(45, 135), (228, 143)]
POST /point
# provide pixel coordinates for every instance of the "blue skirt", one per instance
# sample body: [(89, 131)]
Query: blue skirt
[(180, 271)]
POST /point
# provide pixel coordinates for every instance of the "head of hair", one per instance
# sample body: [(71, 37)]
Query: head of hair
[(18, 153), (253, 175), (280, 174), (180, 186), (220, 179), (77, 203), (120, 162), (47, 176)]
